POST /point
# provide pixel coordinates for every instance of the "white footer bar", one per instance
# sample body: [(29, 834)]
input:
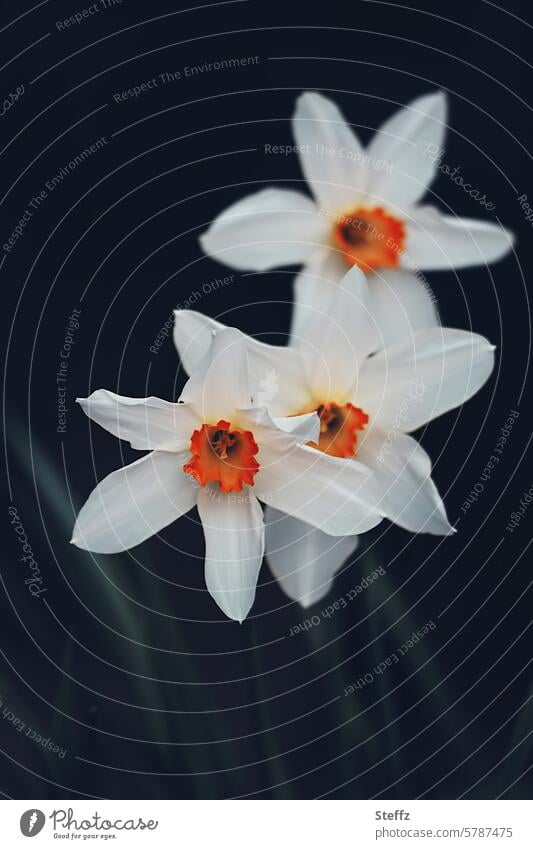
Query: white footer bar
[(264, 824)]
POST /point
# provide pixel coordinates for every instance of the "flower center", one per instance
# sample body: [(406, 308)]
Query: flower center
[(224, 456), (339, 424), (370, 238)]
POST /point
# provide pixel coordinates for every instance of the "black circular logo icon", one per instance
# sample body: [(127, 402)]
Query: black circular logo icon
[(32, 822)]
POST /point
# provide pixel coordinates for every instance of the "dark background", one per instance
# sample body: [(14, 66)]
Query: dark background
[(125, 661)]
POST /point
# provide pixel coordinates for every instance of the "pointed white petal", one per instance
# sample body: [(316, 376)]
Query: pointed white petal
[(401, 303), (314, 290), (265, 230), (303, 559), (220, 384), (276, 372), (277, 377), (305, 428), (410, 498), (436, 241), (331, 156), (337, 343), (337, 496), (147, 423), (407, 143), (287, 431), (412, 383), (134, 503), (234, 545), (193, 335)]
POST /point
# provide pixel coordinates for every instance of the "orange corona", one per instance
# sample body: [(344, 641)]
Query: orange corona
[(339, 425), (370, 238), (224, 456)]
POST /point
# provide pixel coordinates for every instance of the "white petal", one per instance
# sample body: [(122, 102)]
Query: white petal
[(134, 503), (276, 373), (337, 343), (265, 230), (302, 558), (436, 241), (305, 428), (277, 376), (314, 290), (234, 545), (147, 423), (193, 335), (407, 143), (286, 431), (414, 382), (410, 498), (220, 384), (337, 496), (401, 304), (331, 156)]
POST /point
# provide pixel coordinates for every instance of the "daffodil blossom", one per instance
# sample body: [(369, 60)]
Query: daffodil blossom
[(365, 211), (217, 450), (368, 400)]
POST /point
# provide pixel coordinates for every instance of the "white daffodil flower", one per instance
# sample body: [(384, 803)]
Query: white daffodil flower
[(216, 450), (365, 211), (368, 401)]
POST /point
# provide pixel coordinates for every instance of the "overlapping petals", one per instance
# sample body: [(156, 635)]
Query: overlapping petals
[(303, 559), (218, 407), (318, 430), (390, 177), (341, 360)]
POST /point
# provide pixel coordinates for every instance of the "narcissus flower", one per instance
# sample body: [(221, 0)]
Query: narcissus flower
[(217, 450), (365, 211), (368, 400)]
